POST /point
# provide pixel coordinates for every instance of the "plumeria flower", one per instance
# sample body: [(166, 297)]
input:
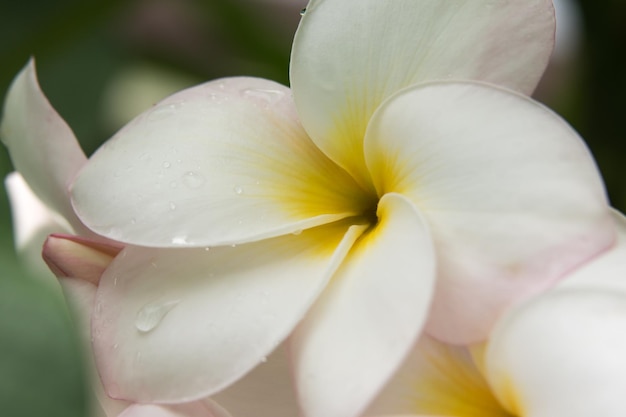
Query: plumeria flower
[(559, 354), (341, 213)]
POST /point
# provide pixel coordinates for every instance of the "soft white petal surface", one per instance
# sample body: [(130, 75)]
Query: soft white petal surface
[(510, 191), (350, 55), (266, 391), (224, 162), (607, 270), (203, 408), (33, 221), (562, 354), (175, 325), (366, 321), (42, 146)]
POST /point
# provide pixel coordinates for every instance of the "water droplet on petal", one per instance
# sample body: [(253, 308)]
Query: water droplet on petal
[(179, 240), (163, 111), (172, 206), (297, 232), (166, 164), (264, 359), (193, 179), (302, 12), (150, 315), (238, 190), (265, 95)]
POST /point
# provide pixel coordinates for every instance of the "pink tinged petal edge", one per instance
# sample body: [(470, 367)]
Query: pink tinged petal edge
[(606, 271), (511, 193), (359, 331), (203, 408), (349, 56), (77, 257), (221, 163), (42, 146), (176, 325), (80, 295), (562, 354)]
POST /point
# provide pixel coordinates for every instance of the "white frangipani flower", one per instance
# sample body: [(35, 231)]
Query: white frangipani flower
[(334, 216)]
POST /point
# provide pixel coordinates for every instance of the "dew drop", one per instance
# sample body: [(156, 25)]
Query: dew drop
[(133, 220), (264, 359), (302, 12), (297, 232), (172, 206), (193, 179), (238, 190), (266, 95), (166, 164), (163, 112), (150, 315), (179, 240)]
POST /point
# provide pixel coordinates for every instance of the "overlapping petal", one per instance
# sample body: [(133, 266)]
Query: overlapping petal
[(441, 380), (510, 191), (225, 162), (175, 325), (42, 146), (349, 56), (32, 222), (204, 408), (606, 271), (364, 324), (266, 391), (80, 295), (562, 354)]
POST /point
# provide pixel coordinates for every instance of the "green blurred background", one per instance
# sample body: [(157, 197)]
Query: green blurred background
[(101, 62)]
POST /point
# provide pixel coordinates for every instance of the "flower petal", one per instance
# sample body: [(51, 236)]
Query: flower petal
[(438, 379), (77, 257), (607, 270), (42, 146), (32, 222), (204, 408), (80, 295), (366, 321), (221, 163), (349, 56), (266, 391), (562, 354), (176, 325), (510, 191)]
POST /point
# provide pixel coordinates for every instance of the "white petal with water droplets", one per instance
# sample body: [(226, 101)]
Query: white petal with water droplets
[(222, 163), (175, 325)]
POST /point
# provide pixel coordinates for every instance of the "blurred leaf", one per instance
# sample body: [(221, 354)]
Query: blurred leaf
[(41, 373)]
